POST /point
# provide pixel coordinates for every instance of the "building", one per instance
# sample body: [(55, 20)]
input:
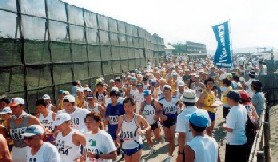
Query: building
[(192, 47), (169, 49)]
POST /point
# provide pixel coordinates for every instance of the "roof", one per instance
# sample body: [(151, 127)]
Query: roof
[(169, 47)]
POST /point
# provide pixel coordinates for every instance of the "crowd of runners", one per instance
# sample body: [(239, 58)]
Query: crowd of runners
[(111, 121)]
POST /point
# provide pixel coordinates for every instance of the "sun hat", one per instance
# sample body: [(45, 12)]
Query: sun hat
[(181, 83), (147, 92), (245, 97), (189, 96), (33, 130), (46, 97), (166, 87)]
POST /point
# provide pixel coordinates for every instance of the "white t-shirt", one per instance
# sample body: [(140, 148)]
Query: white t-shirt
[(205, 148), (236, 120), (182, 124), (47, 153), (101, 143)]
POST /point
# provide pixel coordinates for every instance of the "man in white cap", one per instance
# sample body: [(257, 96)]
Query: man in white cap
[(38, 150), (180, 90), (77, 114), (202, 148), (17, 125), (49, 105), (68, 140), (189, 99)]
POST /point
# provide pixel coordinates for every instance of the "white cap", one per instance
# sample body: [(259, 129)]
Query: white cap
[(70, 98), (46, 97), (6, 110), (189, 96), (181, 84), (79, 90), (17, 101), (33, 130), (61, 118)]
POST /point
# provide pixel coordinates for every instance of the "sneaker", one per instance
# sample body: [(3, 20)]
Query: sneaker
[(152, 151), (168, 159)]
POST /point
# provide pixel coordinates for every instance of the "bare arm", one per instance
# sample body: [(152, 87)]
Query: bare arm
[(4, 151), (189, 154)]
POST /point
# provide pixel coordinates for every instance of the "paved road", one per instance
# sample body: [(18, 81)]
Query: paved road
[(161, 154)]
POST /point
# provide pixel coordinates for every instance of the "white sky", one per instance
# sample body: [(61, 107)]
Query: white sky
[(253, 22)]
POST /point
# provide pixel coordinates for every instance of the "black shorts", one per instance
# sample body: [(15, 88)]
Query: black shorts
[(226, 110), (154, 126), (169, 122), (236, 153)]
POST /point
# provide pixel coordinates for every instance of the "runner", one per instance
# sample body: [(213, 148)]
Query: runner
[(129, 128), (39, 151), (17, 125), (99, 144), (77, 114), (139, 97), (68, 140), (205, 101), (93, 106), (168, 105), (149, 112)]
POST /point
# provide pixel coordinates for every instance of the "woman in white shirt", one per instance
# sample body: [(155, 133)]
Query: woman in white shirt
[(99, 144)]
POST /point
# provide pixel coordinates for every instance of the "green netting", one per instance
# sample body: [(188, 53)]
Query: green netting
[(102, 22), (141, 53), (132, 64), (95, 69), (124, 65), (62, 73), (103, 37), (114, 40), (143, 62), (79, 52), (108, 77), (90, 19), (92, 36), (105, 53), (5, 78), (141, 43), (38, 76), (129, 41), (9, 5), (131, 53), (75, 15), (56, 10), (60, 52), (58, 31), (94, 53), (136, 42), (122, 39), (80, 71), (124, 53), (112, 23), (37, 94), (36, 52), (137, 62), (107, 68), (17, 79), (77, 34), (33, 7), (128, 29), (8, 25), (116, 53), (121, 27), (10, 52), (135, 31), (34, 28), (116, 67)]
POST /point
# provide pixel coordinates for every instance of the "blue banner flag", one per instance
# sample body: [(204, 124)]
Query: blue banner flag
[(223, 56)]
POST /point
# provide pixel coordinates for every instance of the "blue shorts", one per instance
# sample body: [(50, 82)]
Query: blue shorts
[(169, 122), (130, 152), (211, 116)]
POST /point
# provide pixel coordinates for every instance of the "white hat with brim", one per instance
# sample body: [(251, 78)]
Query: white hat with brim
[(189, 96), (6, 110), (33, 130), (61, 118)]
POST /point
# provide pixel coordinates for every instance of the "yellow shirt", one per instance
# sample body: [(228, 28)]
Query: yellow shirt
[(224, 95), (79, 103), (209, 100)]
